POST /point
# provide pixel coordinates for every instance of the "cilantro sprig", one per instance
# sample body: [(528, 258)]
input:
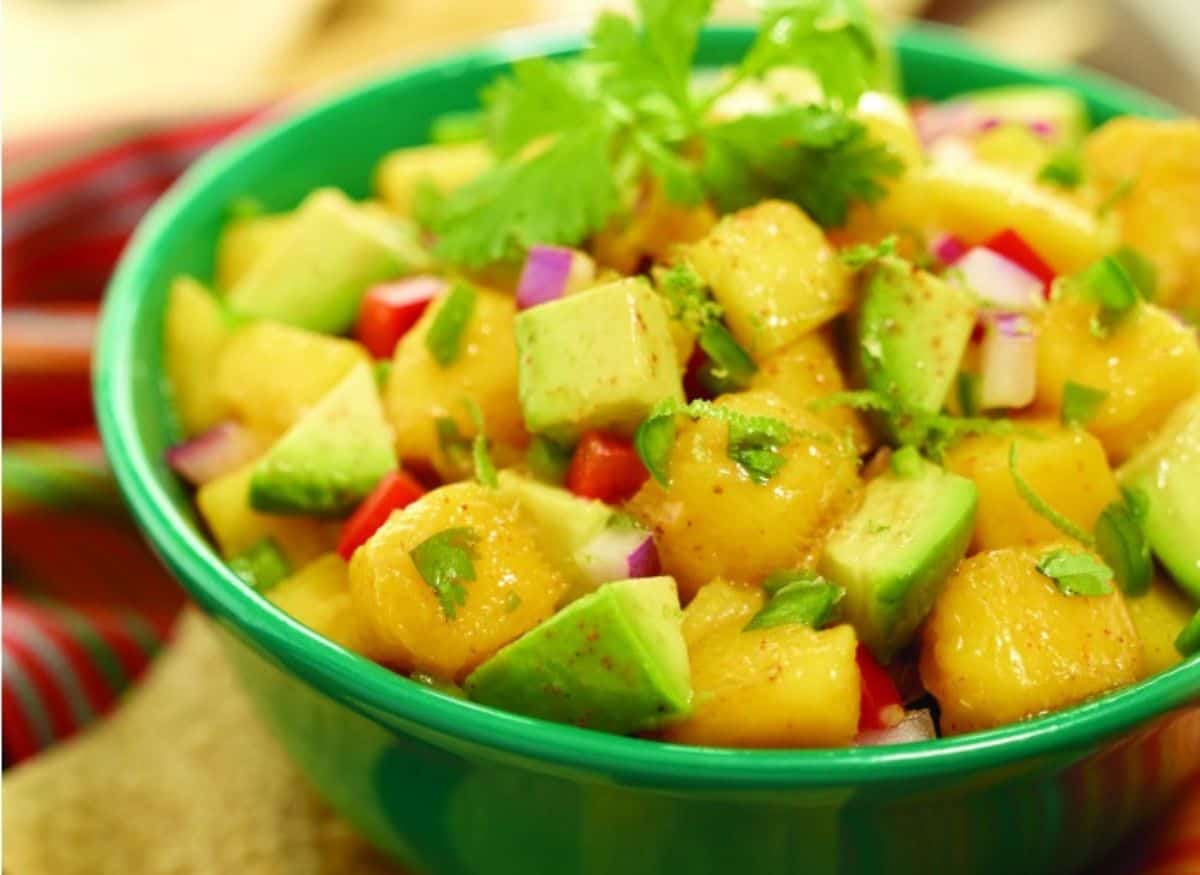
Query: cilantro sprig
[(728, 367), (576, 139), (1076, 572), (445, 562)]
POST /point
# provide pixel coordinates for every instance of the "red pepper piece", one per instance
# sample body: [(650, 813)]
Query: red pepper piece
[(1010, 244), (395, 491), (605, 467), (880, 704), (388, 311)]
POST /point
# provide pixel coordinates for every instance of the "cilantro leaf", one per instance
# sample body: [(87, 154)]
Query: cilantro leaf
[(261, 565), (444, 561), (835, 39), (559, 196), (807, 599), (865, 254), (1064, 169), (446, 331), (539, 98), (1076, 573), (1140, 269), (817, 157), (485, 468), (1041, 507), (1080, 403), (451, 441), (1108, 284), (1121, 541)]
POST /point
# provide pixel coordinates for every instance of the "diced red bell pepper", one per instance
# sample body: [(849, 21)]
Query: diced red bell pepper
[(395, 491), (880, 703), (1009, 244), (388, 311), (605, 467)]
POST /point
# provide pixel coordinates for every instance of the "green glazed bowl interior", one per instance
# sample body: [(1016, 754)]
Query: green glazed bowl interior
[(338, 143)]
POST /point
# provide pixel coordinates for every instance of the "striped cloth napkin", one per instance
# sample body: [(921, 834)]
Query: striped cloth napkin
[(85, 604)]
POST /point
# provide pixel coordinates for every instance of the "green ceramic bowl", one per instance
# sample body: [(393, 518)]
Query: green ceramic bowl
[(451, 787)]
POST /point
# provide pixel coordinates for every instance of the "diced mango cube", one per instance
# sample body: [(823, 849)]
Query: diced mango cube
[(318, 595), (196, 332)]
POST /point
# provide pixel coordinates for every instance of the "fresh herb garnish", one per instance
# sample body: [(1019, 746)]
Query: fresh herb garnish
[(1188, 641), (1076, 573), (1143, 273), (445, 562), (1121, 542), (1109, 284), (1080, 403), (1064, 169), (864, 254), (446, 331), (729, 367), (452, 442), (1041, 507), (575, 139), (485, 468), (753, 442), (548, 460), (797, 597), (262, 565), (457, 127)]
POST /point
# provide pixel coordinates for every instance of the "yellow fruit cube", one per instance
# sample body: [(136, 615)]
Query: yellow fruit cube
[(318, 595), (1148, 364), (402, 173), (775, 274), (1005, 643), (269, 373), (225, 506), (787, 686), (715, 521), (1065, 466), (1159, 615), (807, 370), (511, 588), (1159, 215), (241, 243), (656, 228), (196, 333), (420, 390)]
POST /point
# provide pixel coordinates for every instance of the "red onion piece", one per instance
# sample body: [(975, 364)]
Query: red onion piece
[(551, 272), (1043, 128), (1008, 362), (948, 248), (213, 453), (916, 726), (618, 554), (956, 117), (1001, 284)]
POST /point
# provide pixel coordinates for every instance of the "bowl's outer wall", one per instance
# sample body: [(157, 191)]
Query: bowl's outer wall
[(450, 803)]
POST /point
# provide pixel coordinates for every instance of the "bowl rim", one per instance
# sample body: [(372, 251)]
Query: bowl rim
[(402, 705)]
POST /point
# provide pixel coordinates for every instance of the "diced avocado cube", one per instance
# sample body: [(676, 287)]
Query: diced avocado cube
[(314, 274), (600, 359), (1167, 471), (895, 552), (1061, 110), (564, 523), (913, 329), (332, 457), (615, 660)]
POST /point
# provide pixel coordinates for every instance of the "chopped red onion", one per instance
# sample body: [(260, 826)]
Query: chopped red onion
[(1008, 362), (988, 124), (217, 451), (1043, 128), (948, 248), (1001, 284), (933, 122), (916, 726), (618, 554), (551, 272)]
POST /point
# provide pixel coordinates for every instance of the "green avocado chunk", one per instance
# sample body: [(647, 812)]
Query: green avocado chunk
[(893, 555), (600, 359), (315, 274), (614, 660), (912, 331), (1167, 471), (332, 457), (564, 523), (1059, 108)]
